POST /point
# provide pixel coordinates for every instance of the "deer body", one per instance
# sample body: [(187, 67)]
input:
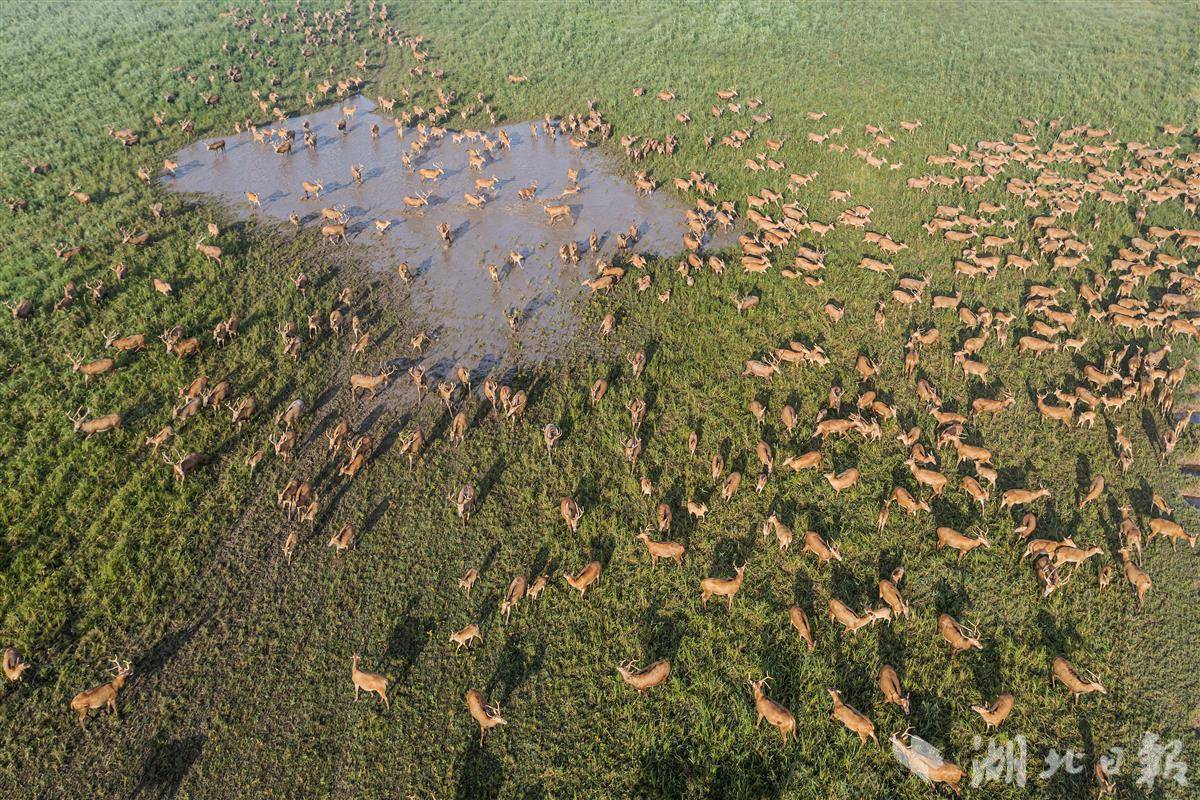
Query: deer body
[(997, 712), (852, 719), (368, 682), (772, 712), (889, 684), (653, 675), (586, 577), (1065, 673), (724, 587), (101, 696), (487, 718)]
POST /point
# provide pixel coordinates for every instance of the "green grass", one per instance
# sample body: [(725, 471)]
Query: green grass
[(242, 660)]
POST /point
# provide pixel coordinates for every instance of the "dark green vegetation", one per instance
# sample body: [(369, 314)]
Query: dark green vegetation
[(241, 682)]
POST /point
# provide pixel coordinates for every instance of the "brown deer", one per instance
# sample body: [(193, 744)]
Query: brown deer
[(1137, 577), (934, 770), (814, 543), (103, 696), (771, 711), (852, 719), (370, 383), (368, 682), (799, 621), (464, 637), (100, 366), (889, 684), (948, 537), (1017, 497), (657, 550), (958, 635), (487, 716), (88, 427), (571, 513), (586, 577), (994, 714), (516, 591), (14, 667), (642, 679), (724, 587), (1065, 673)]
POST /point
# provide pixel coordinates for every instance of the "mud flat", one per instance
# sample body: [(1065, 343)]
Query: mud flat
[(451, 293)]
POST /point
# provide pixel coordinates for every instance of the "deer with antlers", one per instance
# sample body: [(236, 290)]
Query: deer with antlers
[(486, 716), (931, 768), (371, 383), (958, 635), (995, 714), (209, 251), (185, 465), (100, 366), (585, 578), (1063, 671), (89, 427), (103, 696), (772, 711)]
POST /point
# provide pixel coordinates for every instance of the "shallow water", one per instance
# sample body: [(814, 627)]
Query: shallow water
[(451, 291)]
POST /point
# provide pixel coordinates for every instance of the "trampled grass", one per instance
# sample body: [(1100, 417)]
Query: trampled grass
[(241, 682)]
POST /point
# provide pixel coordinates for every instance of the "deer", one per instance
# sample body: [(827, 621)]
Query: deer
[(89, 427), (558, 212), (209, 251), (771, 711), (431, 173), (1018, 497), (948, 537), (585, 578), (486, 716), (1065, 673), (571, 513), (842, 480), (814, 543), (995, 714), (853, 622), (103, 696), (799, 620), (78, 196), (1138, 578), (958, 635), (371, 383), (930, 769), (312, 190), (725, 587), (512, 597), (100, 366), (468, 580), (14, 666), (889, 593), (1171, 530), (369, 682), (343, 538), (182, 466), (889, 684), (654, 674), (852, 719), (1069, 554), (464, 637), (657, 550)]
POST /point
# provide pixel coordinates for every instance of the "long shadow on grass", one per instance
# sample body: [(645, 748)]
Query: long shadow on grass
[(166, 765)]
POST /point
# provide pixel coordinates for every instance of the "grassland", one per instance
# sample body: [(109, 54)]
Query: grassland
[(241, 681)]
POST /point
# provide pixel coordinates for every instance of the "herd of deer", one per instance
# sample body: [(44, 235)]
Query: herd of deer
[(1050, 170)]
